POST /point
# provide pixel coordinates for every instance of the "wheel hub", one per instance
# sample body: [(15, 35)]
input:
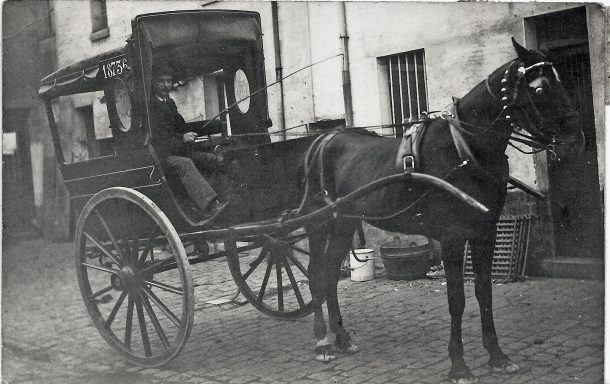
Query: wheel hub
[(125, 279)]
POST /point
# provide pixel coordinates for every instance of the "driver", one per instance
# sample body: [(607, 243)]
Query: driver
[(172, 145)]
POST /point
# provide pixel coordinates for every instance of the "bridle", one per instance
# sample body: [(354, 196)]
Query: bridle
[(516, 110), (537, 133)]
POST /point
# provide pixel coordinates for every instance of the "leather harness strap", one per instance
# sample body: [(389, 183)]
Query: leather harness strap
[(319, 151), (461, 146), (407, 157)]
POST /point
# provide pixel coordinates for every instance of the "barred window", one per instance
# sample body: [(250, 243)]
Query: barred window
[(406, 77)]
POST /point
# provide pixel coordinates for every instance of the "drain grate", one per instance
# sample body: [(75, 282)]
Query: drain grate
[(510, 253)]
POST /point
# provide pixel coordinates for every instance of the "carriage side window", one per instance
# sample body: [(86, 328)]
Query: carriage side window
[(84, 127), (99, 20), (407, 93)]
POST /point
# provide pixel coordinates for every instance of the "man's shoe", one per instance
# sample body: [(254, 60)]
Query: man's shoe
[(213, 209), (191, 210)]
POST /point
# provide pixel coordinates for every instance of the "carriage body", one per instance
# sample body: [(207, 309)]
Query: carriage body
[(134, 241), (218, 61)]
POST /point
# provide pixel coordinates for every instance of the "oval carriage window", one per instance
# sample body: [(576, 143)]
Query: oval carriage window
[(242, 90), (122, 103)]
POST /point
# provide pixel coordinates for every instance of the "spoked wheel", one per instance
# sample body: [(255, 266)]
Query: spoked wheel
[(271, 273), (134, 276)]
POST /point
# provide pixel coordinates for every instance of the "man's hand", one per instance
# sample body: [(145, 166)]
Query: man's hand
[(189, 137)]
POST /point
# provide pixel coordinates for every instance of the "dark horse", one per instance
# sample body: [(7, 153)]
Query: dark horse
[(523, 100)]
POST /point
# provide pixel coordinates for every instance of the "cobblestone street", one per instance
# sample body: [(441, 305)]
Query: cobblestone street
[(552, 328)]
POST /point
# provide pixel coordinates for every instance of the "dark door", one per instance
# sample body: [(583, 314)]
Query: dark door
[(576, 200), (17, 190)]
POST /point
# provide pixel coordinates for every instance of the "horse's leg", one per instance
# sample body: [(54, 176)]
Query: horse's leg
[(342, 235), (453, 259), (318, 242), (482, 258)]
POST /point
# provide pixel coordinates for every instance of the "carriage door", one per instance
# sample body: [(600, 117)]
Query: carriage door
[(576, 201)]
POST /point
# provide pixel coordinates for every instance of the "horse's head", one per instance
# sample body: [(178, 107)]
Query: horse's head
[(534, 100)]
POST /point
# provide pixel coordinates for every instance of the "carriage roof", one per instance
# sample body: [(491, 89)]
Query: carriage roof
[(82, 76), (206, 33)]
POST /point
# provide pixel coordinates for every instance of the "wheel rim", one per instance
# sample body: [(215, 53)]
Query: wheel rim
[(271, 273), (137, 289)]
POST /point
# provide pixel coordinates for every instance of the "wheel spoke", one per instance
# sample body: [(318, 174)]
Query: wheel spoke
[(128, 322), (298, 264), (256, 262), (134, 250), (145, 253), (295, 286), (125, 249), (248, 247), (261, 293), (170, 315), (300, 250), (155, 322), (164, 287), (149, 248), (102, 248), (100, 292), (115, 310), (111, 236), (158, 264), (280, 290), (100, 268), (143, 330)]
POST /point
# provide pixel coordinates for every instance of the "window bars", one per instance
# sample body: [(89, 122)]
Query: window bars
[(406, 74)]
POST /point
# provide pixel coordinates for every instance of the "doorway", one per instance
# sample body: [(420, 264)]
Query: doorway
[(574, 192), (17, 188)]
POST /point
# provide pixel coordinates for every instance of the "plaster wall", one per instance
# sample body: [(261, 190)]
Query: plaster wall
[(463, 42)]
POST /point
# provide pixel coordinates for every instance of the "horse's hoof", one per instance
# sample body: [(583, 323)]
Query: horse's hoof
[(462, 375), (508, 367), (503, 365), (348, 348), (324, 353), (464, 380)]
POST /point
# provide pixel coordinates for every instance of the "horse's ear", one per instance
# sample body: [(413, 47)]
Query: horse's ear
[(522, 52)]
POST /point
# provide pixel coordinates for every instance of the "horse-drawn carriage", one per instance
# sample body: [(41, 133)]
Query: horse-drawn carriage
[(135, 243)]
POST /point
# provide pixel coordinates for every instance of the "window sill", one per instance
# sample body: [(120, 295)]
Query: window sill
[(98, 35)]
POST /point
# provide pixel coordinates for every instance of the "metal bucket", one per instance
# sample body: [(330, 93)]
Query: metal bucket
[(406, 259)]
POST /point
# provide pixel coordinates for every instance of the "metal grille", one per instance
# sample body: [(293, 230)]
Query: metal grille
[(407, 85), (510, 252)]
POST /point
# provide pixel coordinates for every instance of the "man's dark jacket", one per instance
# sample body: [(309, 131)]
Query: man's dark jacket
[(168, 127)]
